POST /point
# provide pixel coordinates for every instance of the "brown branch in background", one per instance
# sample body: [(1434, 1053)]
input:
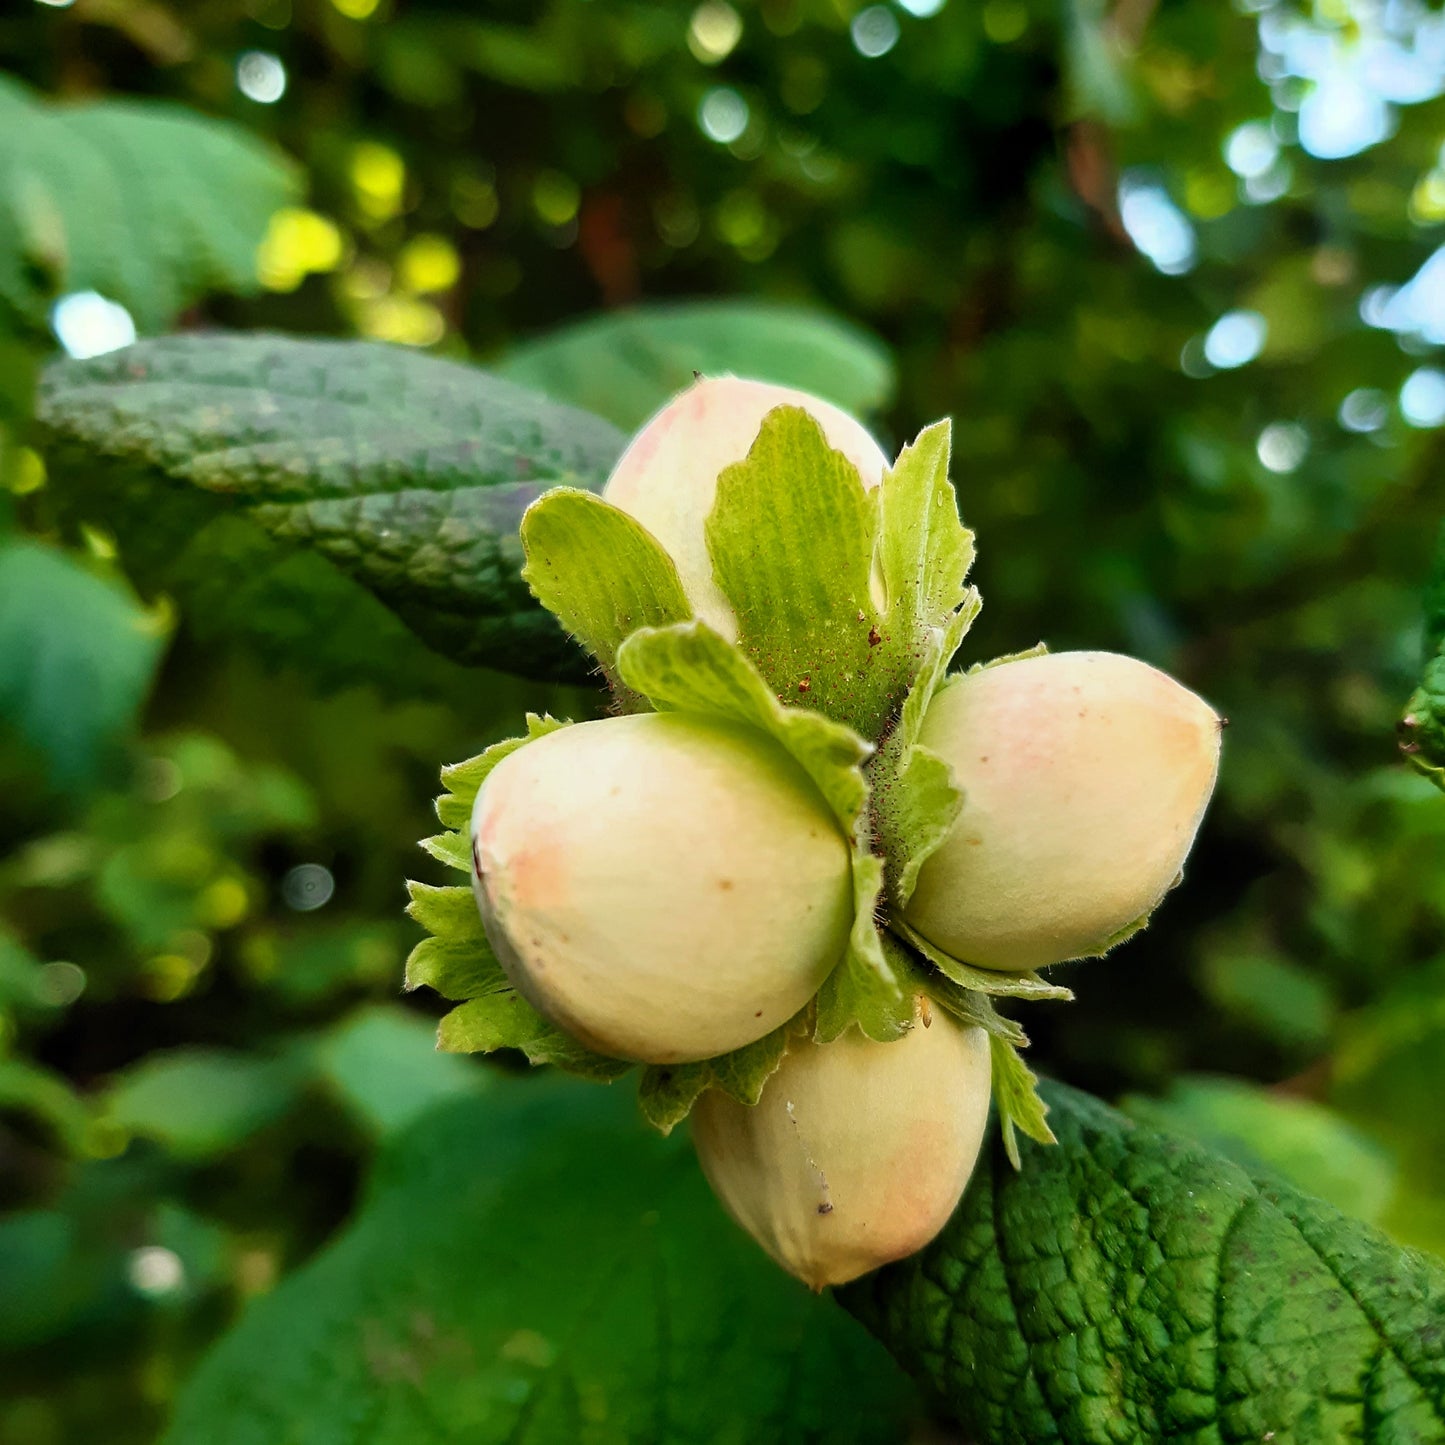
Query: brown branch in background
[(1088, 145), (1089, 160), (607, 249)]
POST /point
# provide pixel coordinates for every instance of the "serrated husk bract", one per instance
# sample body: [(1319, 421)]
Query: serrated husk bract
[(667, 478)]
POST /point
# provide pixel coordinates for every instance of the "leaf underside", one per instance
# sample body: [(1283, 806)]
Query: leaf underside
[(306, 494), (152, 205), (1131, 1287), (626, 364)]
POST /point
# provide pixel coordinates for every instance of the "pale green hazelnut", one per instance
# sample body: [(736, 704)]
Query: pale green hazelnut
[(663, 887), (857, 1152), (1085, 776), (667, 477)]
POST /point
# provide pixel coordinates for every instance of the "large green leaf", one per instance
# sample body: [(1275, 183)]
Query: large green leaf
[(1129, 1287), (627, 364), (537, 1268), (262, 478), (77, 654), (149, 204)]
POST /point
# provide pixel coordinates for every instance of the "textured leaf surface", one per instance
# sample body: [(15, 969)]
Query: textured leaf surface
[(536, 1268), (839, 593), (1130, 1287), (272, 482), (625, 365), (150, 205), (791, 537), (77, 654)]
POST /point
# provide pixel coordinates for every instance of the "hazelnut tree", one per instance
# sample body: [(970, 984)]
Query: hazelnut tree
[(906, 848)]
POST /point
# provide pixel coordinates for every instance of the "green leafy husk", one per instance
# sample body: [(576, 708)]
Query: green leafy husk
[(455, 958), (850, 605)]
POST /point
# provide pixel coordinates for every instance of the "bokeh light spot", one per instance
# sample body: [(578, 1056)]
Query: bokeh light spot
[(260, 76), (61, 983), (1156, 226), (555, 197), (1422, 398), (378, 176), (1250, 149), (307, 887), (714, 31), (1004, 20), (87, 324), (1282, 446), (155, 1271), (722, 114), (428, 263), (1235, 339), (297, 243), (874, 31), (1364, 410)]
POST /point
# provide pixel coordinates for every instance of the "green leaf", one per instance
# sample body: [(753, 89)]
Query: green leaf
[(599, 572), (380, 1061), (667, 1092), (201, 1102), (77, 655), (1016, 1099), (535, 1268), (969, 1006), (627, 364), (1305, 1142), (272, 483), (27, 1088), (151, 205), (505, 1020), (1130, 1287)]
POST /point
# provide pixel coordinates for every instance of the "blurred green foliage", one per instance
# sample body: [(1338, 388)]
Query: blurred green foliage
[(1045, 213)]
